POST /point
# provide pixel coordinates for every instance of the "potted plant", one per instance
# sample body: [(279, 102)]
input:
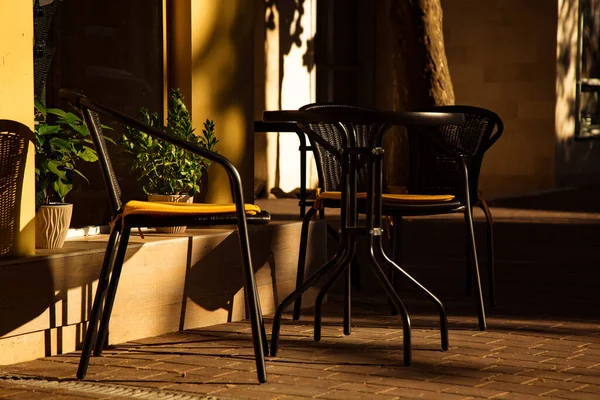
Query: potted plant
[(167, 172), (61, 140)]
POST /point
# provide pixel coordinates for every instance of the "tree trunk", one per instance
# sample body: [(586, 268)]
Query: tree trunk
[(421, 69), (421, 75)]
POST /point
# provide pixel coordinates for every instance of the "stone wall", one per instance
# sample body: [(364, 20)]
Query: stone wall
[(502, 56)]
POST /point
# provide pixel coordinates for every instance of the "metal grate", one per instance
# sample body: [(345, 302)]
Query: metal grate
[(101, 389)]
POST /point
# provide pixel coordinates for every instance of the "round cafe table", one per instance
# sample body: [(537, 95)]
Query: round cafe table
[(346, 120)]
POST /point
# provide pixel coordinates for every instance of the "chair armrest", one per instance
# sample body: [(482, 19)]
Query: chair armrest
[(81, 101)]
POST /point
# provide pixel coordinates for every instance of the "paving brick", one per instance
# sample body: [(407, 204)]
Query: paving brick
[(516, 388), (594, 380), (590, 389), (278, 388), (561, 394), (303, 381), (238, 393), (363, 387), (356, 369), (474, 391), (519, 379), (520, 396), (557, 384), (424, 394), (296, 371), (581, 371), (531, 365), (562, 376), (343, 395), (350, 377), (414, 384), (459, 380)]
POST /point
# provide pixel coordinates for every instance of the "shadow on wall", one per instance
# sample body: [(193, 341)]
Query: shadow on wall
[(283, 26), (287, 10), (577, 162), (50, 293), (214, 281)]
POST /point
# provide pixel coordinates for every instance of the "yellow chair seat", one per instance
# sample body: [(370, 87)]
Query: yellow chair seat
[(136, 207), (395, 198)]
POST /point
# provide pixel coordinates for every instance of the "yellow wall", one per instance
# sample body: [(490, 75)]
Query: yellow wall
[(211, 58), (16, 100)]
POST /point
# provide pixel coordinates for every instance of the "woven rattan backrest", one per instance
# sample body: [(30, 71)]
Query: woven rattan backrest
[(14, 142), (433, 170), (92, 121), (329, 165)]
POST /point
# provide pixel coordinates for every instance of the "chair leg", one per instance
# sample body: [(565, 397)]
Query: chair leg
[(112, 291), (475, 268), (490, 253), (261, 323), (380, 255), (90, 334), (395, 299), (350, 268), (344, 266), (468, 264), (333, 263), (302, 259), (396, 251), (256, 318), (353, 278)]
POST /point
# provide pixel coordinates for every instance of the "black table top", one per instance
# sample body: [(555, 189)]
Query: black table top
[(330, 115)]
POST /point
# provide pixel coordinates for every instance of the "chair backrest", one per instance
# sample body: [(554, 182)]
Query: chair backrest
[(328, 163), (92, 121), (14, 142), (433, 170), (91, 111)]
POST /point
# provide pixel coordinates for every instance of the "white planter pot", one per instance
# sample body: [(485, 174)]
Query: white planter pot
[(52, 224), (173, 198)]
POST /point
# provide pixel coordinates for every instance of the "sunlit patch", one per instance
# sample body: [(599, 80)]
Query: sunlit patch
[(290, 84)]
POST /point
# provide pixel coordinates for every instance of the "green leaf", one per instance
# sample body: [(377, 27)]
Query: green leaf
[(59, 143), (81, 175), (81, 129), (109, 139), (39, 107), (62, 188), (40, 196), (57, 111), (44, 129), (88, 154), (53, 167)]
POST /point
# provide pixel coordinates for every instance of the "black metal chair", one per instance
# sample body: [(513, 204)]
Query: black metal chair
[(452, 164), (14, 142), (134, 214), (445, 161)]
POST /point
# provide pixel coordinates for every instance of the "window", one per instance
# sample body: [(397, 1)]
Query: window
[(588, 71)]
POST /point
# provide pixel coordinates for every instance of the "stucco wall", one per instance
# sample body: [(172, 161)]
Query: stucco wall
[(502, 56), (16, 104)]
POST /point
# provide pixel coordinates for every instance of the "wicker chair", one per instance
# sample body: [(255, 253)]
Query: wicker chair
[(134, 214), (444, 170), (14, 141)]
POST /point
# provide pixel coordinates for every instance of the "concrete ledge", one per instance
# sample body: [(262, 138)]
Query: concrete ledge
[(168, 283)]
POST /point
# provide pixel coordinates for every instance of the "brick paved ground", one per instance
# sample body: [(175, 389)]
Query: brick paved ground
[(543, 338), (516, 358)]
